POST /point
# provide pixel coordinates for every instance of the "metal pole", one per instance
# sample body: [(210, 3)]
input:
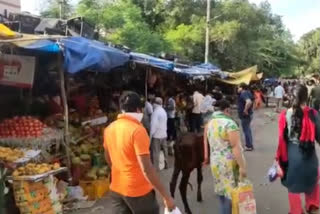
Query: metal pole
[(207, 31), (81, 30), (60, 9), (146, 83)]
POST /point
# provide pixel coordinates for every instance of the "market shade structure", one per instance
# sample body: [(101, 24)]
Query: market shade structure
[(193, 71), (210, 67), (152, 61), (205, 70), (245, 76), (81, 53), (36, 42)]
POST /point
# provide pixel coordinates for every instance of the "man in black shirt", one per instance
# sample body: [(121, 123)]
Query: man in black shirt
[(245, 111)]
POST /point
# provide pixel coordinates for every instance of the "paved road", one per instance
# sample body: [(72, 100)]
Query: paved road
[(271, 198)]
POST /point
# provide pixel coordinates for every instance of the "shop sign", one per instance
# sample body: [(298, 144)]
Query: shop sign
[(17, 71)]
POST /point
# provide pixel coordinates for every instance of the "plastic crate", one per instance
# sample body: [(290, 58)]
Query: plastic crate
[(95, 189)]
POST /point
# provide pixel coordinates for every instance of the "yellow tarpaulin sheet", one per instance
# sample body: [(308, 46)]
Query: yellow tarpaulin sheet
[(244, 76), (6, 33), (253, 69)]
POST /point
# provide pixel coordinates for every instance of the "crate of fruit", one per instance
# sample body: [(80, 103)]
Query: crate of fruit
[(36, 172), (16, 155)]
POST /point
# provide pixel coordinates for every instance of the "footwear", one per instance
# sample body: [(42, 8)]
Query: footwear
[(313, 210), (248, 149)]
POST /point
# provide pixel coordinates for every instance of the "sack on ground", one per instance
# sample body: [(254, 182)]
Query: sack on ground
[(243, 201)]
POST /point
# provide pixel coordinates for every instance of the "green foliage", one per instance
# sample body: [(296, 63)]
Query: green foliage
[(187, 40), (125, 25), (246, 34), (53, 9), (309, 47), (91, 9)]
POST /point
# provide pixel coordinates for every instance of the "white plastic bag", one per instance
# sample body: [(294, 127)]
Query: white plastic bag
[(162, 161), (175, 211)]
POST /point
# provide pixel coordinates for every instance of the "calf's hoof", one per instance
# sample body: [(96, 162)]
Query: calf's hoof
[(188, 211), (199, 197), (172, 190)]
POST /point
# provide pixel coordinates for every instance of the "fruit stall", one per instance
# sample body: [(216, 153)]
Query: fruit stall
[(46, 145), (33, 185)]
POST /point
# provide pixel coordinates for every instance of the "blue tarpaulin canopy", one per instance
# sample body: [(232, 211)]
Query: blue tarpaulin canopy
[(193, 71), (152, 61), (210, 67), (81, 53), (204, 70), (44, 45)]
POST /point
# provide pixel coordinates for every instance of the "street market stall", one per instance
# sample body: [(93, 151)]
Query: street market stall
[(70, 55)]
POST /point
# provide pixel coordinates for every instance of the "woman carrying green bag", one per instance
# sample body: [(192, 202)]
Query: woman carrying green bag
[(226, 159)]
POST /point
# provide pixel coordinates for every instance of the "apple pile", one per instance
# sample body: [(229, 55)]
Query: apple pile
[(21, 127)]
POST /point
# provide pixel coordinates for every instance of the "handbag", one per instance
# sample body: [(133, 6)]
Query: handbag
[(243, 201)]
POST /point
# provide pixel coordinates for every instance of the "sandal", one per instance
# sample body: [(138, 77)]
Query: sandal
[(313, 210)]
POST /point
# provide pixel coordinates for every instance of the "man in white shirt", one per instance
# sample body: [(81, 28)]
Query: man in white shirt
[(196, 112), (171, 112), (207, 107), (279, 94), (158, 132)]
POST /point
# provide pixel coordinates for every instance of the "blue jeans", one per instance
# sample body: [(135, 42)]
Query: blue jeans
[(245, 123), (225, 205)]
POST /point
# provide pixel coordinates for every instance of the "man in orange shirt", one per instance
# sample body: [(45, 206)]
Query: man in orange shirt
[(127, 152)]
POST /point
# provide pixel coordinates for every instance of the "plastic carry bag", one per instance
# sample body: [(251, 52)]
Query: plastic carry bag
[(243, 201), (175, 211)]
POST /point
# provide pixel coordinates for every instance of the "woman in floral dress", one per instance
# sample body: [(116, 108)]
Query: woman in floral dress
[(226, 158)]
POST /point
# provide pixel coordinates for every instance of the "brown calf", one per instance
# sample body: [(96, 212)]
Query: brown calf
[(188, 153)]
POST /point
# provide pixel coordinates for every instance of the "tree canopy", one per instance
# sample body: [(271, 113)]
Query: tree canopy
[(54, 7), (242, 34), (309, 46)]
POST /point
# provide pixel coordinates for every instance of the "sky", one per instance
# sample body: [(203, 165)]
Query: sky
[(299, 16)]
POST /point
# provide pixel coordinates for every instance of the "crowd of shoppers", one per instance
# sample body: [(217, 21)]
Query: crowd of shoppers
[(134, 157)]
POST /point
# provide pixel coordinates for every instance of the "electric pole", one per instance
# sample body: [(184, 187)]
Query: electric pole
[(206, 59), (60, 8)]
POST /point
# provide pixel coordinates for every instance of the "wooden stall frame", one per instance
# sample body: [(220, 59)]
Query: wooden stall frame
[(66, 113)]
